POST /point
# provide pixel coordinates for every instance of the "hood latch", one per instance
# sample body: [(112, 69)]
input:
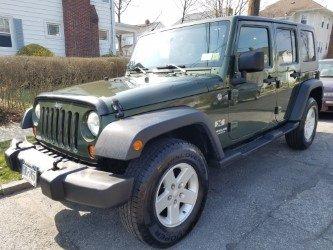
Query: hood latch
[(118, 108)]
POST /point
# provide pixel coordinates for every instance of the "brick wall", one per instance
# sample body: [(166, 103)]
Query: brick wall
[(81, 28)]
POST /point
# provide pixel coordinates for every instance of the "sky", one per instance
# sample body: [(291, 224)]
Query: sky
[(168, 13)]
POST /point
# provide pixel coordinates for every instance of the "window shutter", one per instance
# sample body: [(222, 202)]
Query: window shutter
[(18, 30)]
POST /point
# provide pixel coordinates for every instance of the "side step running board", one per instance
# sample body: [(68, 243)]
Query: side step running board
[(244, 150)]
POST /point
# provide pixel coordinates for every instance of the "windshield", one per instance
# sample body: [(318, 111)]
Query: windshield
[(201, 45), (326, 68)]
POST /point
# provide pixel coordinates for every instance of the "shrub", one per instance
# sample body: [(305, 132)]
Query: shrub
[(22, 78), (35, 50)]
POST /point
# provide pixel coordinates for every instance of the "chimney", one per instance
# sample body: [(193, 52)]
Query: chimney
[(81, 28)]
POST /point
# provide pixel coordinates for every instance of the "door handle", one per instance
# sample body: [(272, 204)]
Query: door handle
[(295, 74), (269, 80)]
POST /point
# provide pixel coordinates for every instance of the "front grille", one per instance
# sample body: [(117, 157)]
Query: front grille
[(60, 127)]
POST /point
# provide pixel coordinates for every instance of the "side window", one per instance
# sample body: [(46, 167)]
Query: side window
[(254, 39), (286, 46), (307, 46)]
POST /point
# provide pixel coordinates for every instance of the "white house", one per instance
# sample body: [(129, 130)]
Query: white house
[(130, 33), (59, 25), (307, 12)]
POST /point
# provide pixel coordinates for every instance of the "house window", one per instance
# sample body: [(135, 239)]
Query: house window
[(53, 29), (103, 35), (5, 36), (322, 24), (327, 26)]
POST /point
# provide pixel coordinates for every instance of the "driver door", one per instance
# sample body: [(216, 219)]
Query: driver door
[(252, 94)]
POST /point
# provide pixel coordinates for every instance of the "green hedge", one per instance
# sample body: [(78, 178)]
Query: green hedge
[(22, 78), (35, 50)]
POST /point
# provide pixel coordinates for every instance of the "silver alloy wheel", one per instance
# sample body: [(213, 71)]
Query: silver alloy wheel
[(310, 123), (176, 195)]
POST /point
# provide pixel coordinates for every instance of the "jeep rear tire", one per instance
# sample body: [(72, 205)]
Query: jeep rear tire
[(169, 193), (302, 137)]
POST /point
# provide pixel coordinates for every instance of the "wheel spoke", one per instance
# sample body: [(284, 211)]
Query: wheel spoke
[(185, 175), (162, 202), (173, 213), (189, 197), (169, 179), (172, 192)]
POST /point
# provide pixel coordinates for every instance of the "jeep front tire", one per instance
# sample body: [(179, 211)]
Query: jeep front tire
[(169, 193)]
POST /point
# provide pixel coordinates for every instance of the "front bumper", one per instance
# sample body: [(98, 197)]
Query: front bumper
[(65, 180)]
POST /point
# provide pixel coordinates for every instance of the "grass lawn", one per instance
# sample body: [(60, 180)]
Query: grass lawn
[(6, 175)]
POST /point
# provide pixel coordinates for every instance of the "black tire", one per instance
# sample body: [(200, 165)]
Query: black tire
[(296, 139), (138, 214)]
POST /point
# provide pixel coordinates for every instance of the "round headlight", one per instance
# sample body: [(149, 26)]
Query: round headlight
[(93, 123), (37, 111)]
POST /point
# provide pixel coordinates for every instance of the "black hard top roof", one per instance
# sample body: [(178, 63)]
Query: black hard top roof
[(238, 18)]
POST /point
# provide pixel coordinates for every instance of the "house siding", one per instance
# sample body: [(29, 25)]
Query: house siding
[(36, 13), (105, 23), (323, 35)]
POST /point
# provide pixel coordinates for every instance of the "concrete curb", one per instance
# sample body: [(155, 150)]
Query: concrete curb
[(14, 187)]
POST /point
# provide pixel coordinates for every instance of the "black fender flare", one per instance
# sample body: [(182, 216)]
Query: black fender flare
[(303, 94), (116, 140), (27, 119)]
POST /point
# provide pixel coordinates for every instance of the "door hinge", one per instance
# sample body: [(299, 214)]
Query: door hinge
[(277, 110), (229, 95), (232, 126)]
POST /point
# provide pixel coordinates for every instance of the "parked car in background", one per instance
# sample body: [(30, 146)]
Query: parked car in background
[(326, 74)]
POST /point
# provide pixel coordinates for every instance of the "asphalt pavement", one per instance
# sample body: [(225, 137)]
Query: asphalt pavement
[(274, 199)]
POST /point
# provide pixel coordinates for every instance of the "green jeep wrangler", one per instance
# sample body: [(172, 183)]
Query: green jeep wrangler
[(204, 93)]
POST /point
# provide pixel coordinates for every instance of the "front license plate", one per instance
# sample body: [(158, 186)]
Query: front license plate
[(29, 174)]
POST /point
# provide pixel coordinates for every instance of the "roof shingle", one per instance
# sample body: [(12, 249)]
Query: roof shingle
[(287, 7)]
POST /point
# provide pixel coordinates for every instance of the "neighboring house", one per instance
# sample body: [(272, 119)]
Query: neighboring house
[(307, 12), (130, 33), (66, 27), (196, 17)]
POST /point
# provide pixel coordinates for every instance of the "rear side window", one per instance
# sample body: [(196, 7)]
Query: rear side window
[(254, 39), (307, 46), (286, 46)]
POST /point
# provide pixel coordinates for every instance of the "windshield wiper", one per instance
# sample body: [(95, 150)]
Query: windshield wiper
[(173, 66)]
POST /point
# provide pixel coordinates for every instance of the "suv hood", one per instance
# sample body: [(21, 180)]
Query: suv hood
[(133, 91)]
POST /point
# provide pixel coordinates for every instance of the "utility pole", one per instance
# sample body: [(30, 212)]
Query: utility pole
[(254, 7)]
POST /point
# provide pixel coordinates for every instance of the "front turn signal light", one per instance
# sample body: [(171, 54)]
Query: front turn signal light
[(92, 151), (138, 145)]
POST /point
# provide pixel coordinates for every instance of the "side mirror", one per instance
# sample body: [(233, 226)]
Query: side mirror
[(251, 61)]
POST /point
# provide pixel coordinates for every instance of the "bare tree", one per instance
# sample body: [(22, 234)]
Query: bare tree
[(120, 7), (186, 6), (221, 8), (240, 7), (254, 7)]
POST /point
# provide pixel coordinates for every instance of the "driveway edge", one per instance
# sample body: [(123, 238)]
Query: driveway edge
[(14, 187)]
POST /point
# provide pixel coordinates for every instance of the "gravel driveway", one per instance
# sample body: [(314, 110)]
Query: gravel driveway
[(13, 130), (276, 198)]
